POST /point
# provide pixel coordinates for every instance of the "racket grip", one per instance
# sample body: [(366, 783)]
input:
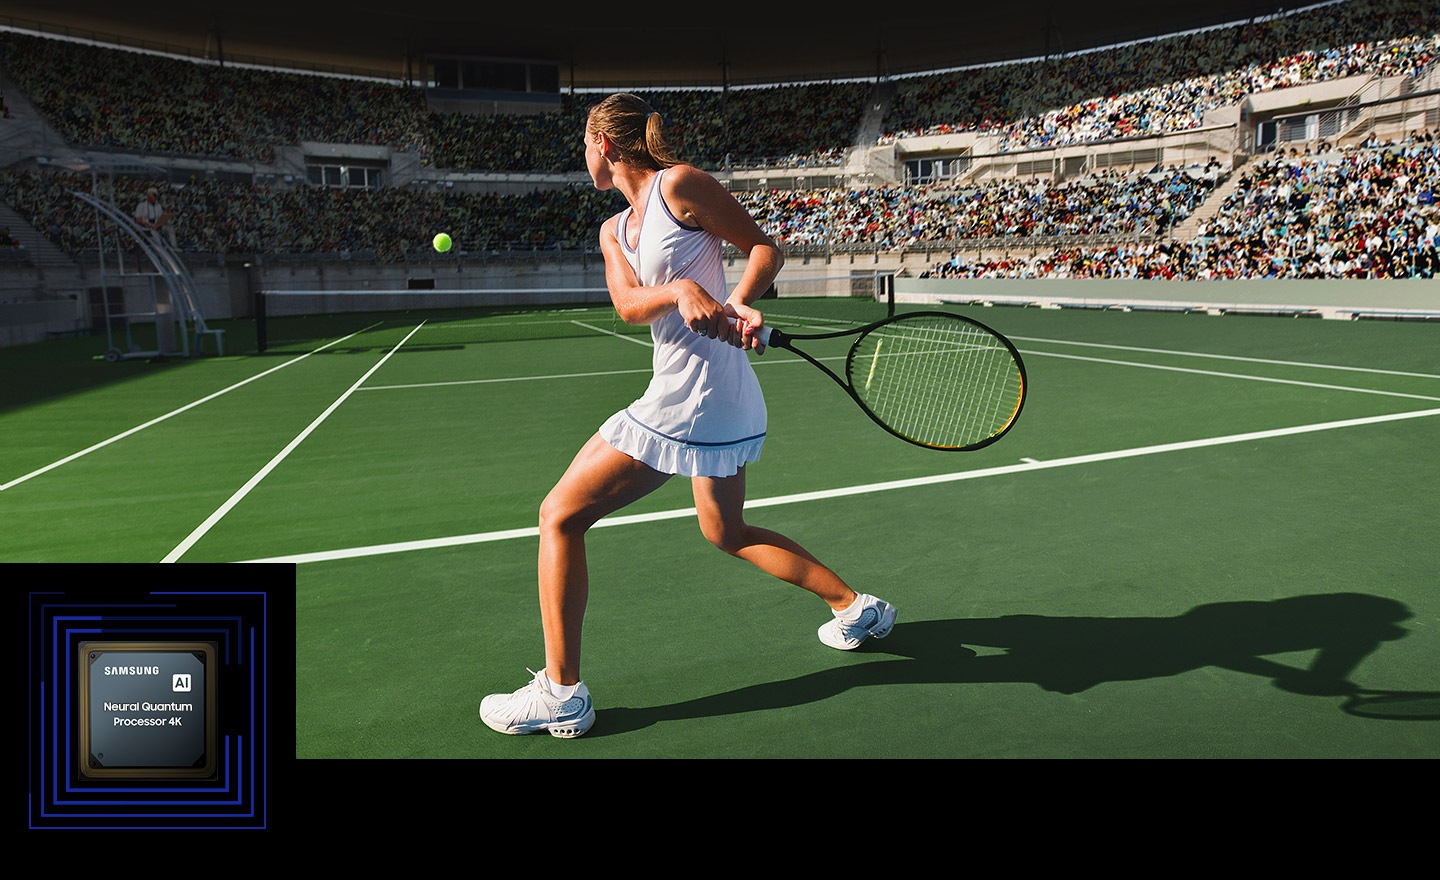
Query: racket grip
[(763, 335)]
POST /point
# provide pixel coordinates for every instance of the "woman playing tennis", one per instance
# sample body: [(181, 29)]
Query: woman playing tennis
[(702, 416)]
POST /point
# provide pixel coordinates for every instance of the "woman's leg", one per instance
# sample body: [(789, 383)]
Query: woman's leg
[(599, 481), (720, 501)]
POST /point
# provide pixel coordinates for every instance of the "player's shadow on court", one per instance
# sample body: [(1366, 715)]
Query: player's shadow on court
[(1068, 655)]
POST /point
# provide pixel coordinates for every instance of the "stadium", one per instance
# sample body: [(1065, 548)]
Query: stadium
[(1201, 115), (1210, 230)]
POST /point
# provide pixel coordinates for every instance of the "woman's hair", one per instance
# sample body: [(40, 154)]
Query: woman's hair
[(635, 129)]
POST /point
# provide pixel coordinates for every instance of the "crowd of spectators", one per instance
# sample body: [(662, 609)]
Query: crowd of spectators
[(782, 125), (214, 216), (1362, 211), (1283, 219), (1166, 85), (1109, 202), (112, 97), (108, 97), (117, 98), (1366, 211)]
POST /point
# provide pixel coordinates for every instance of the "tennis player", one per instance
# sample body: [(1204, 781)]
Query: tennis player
[(702, 416)]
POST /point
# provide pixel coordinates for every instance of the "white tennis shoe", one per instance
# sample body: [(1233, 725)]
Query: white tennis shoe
[(533, 709), (876, 619)]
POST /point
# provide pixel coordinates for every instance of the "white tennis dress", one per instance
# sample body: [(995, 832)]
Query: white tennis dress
[(703, 414)]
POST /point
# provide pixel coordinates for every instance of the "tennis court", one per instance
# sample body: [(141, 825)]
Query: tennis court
[(1191, 512)]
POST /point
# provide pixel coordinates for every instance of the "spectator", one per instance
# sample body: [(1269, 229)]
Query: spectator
[(151, 215)]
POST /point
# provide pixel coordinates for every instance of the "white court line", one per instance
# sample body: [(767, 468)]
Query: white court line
[(635, 339), (155, 421), (1029, 465), (1026, 353), (1227, 357), (646, 370), (1093, 360), (254, 481)]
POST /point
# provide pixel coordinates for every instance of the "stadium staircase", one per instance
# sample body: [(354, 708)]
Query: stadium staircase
[(41, 250), (872, 122), (23, 135), (1185, 229), (26, 133)]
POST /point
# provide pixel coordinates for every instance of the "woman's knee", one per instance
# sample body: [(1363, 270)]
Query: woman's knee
[(725, 535), (558, 512)]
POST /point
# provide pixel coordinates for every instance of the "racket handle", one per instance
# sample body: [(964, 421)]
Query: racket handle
[(763, 335)]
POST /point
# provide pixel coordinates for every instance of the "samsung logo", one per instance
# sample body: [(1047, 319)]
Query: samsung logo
[(132, 670)]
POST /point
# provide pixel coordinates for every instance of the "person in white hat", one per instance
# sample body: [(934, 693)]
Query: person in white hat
[(150, 214)]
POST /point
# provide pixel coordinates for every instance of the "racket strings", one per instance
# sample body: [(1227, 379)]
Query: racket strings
[(937, 380)]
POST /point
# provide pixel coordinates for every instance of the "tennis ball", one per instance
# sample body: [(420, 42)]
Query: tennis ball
[(442, 242)]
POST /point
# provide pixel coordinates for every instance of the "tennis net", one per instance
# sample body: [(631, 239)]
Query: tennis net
[(301, 319)]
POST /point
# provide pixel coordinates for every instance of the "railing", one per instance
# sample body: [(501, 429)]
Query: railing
[(1352, 122)]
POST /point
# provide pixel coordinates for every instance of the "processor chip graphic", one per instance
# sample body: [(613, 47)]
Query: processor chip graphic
[(147, 710)]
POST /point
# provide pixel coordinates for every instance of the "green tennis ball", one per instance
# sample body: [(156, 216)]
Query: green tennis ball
[(442, 242)]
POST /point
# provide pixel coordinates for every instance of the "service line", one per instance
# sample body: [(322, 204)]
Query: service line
[(864, 489)]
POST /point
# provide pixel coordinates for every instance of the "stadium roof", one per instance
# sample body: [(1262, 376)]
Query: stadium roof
[(741, 42)]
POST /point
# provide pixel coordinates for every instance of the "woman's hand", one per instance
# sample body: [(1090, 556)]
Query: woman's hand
[(748, 321), (703, 315)]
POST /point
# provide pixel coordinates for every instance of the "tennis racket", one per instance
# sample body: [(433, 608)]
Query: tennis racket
[(933, 379)]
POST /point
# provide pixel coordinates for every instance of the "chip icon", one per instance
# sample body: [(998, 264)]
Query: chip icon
[(147, 710)]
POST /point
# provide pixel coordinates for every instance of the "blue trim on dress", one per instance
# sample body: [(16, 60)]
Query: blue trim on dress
[(673, 219), (621, 226), (683, 442)]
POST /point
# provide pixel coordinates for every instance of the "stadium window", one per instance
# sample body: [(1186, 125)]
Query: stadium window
[(494, 76), (923, 171), (491, 76), (343, 176), (1265, 135), (362, 177)]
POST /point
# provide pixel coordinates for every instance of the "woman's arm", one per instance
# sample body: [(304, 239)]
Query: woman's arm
[(637, 304), (699, 200)]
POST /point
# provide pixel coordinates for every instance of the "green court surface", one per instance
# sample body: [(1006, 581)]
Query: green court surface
[(1202, 537)]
